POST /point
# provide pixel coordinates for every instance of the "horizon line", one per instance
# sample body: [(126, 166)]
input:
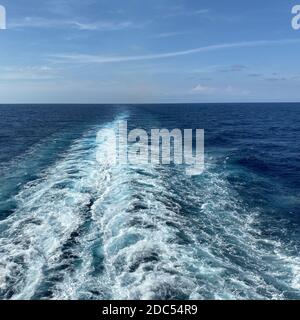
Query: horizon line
[(146, 103)]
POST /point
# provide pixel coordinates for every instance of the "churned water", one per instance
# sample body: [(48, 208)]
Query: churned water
[(71, 228)]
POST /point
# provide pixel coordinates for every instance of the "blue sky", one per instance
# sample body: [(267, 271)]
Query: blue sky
[(122, 51)]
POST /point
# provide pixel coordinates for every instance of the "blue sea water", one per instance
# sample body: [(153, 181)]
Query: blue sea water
[(73, 229)]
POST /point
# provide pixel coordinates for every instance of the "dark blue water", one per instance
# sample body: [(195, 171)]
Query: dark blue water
[(73, 229)]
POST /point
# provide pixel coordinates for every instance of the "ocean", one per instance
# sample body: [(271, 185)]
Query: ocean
[(73, 229)]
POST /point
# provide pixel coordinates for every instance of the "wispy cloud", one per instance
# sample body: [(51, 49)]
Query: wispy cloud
[(206, 69), (85, 58), (276, 79), (204, 13), (28, 73), (254, 75), (168, 34), (235, 68), (39, 22), (178, 11), (201, 89)]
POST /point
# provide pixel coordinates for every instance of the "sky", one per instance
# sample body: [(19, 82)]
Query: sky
[(149, 51)]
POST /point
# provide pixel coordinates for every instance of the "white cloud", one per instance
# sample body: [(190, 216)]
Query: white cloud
[(168, 34), (234, 68), (28, 73), (39, 22), (178, 11), (227, 90), (84, 58), (203, 89)]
